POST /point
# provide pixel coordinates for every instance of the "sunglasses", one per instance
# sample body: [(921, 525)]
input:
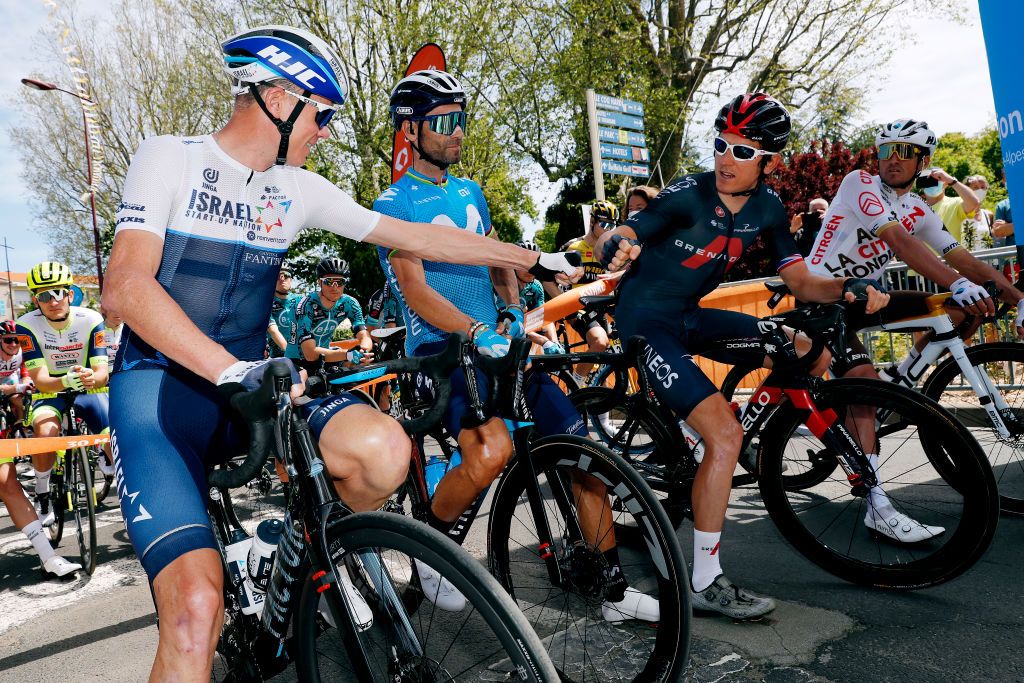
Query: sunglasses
[(740, 152), (445, 124), (283, 275), (324, 112), (10, 340), (52, 295), (334, 281), (607, 225), (903, 150)]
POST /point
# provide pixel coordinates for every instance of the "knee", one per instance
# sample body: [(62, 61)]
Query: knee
[(865, 370), (486, 460), (381, 452), (597, 339), (822, 363), (193, 615), (726, 436)]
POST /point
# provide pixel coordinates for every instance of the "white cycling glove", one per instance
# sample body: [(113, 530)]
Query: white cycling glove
[(72, 381), (249, 373), (966, 293)]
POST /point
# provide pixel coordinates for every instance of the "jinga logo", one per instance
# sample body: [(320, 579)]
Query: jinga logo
[(211, 175), (659, 367)]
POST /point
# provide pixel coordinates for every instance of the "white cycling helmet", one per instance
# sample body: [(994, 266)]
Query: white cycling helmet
[(908, 130)]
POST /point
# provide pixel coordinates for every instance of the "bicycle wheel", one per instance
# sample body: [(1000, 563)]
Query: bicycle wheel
[(1003, 366), (410, 639), (800, 473), (613, 423), (562, 595), (58, 500), (940, 479), (82, 505), (101, 482)]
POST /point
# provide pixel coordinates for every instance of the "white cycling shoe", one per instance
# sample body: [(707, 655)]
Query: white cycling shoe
[(107, 470), (45, 518), (361, 612), (634, 605), (60, 566), (439, 590), (899, 527)]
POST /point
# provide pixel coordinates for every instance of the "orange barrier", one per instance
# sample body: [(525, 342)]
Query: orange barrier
[(567, 303), (345, 344), (365, 386), (12, 448)]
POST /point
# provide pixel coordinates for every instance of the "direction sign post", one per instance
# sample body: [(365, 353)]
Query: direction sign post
[(595, 145), (618, 145)]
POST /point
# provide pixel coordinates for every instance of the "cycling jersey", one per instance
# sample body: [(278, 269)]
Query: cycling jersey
[(531, 296), (13, 370), (225, 229), (592, 267), (455, 202), (277, 308), (691, 239), (850, 243), (383, 308), (80, 341), (312, 320), (113, 340)]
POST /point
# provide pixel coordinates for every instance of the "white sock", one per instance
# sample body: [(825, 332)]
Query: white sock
[(911, 358), (706, 558), (42, 481), (34, 531), (877, 497)]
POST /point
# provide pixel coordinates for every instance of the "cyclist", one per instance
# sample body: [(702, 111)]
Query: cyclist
[(14, 379), (316, 316), (64, 348), (857, 238), (604, 216), (283, 298), (691, 234), (382, 310), (203, 226), (429, 108), (531, 296)]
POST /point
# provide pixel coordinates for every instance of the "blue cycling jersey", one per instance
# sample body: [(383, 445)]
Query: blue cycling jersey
[(455, 202), (691, 240), (312, 320), (531, 296), (277, 309)]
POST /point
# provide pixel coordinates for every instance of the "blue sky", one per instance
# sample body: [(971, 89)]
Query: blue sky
[(941, 77)]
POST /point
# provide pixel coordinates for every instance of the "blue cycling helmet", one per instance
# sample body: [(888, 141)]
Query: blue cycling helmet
[(268, 53)]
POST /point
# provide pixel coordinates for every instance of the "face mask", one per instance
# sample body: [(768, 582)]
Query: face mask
[(980, 194), (934, 191), (632, 213)]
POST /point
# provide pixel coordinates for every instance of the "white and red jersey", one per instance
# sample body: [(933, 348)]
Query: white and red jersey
[(12, 369), (850, 244)]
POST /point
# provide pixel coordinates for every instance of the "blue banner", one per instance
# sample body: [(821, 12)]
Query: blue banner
[(621, 137), (623, 153), (1001, 23), (619, 104), (616, 120), (619, 168)]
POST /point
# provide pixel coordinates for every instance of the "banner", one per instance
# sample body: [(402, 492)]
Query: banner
[(12, 448), (1001, 23), (430, 56)]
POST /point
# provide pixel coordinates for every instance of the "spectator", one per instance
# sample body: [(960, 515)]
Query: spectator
[(954, 211), (1003, 227), (804, 226), (639, 197), (976, 233)]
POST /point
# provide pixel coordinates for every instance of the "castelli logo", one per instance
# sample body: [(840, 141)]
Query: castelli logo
[(720, 212), (870, 204)]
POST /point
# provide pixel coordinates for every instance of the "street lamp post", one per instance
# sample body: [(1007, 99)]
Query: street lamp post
[(43, 85)]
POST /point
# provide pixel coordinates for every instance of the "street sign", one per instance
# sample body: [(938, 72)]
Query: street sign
[(624, 153), (622, 137), (620, 168), (616, 120), (620, 105)]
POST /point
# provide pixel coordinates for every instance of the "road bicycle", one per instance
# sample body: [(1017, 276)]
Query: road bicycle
[(929, 465), (308, 616), (536, 539), (979, 385)]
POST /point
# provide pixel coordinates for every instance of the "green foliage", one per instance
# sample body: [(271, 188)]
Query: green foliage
[(545, 238), (981, 154)]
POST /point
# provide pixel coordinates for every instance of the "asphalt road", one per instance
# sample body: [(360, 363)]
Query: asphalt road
[(102, 627)]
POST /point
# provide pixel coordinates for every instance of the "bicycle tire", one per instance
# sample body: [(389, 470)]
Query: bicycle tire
[(801, 475), (658, 562), (827, 525), (83, 505), (101, 482), (1005, 455), (58, 502), (320, 653)]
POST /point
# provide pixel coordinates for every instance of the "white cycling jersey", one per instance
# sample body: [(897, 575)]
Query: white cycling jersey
[(225, 230), (850, 244), (12, 369)]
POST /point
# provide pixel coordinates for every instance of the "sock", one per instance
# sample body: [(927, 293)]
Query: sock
[(706, 558), (42, 481), (877, 496), (911, 358), (439, 524), (615, 581), (34, 531)]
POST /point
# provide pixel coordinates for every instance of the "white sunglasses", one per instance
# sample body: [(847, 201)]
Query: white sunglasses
[(324, 112)]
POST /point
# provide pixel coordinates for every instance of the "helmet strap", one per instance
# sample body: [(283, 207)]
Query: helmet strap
[(442, 165), (283, 127)]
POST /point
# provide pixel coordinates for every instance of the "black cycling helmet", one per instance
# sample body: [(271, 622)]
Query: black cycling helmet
[(756, 117), (8, 327), (332, 265), (604, 211), (420, 92)]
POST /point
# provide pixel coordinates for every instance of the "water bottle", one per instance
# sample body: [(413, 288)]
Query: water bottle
[(437, 467), (237, 556), (284, 577), (261, 554)]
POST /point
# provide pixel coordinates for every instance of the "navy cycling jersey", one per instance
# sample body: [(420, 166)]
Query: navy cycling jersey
[(383, 308), (691, 240)]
